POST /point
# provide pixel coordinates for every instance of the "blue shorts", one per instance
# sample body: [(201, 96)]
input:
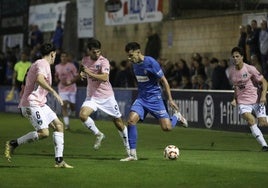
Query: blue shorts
[(154, 106)]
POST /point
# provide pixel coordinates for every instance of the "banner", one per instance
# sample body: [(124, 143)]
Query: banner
[(247, 18), (118, 12), (12, 41), (209, 109), (85, 20), (47, 15)]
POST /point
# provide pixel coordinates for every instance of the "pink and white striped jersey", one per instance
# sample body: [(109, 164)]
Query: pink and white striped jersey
[(97, 88), (66, 72), (34, 94), (243, 81)]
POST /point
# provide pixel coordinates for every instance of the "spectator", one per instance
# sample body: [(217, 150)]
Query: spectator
[(181, 69), (253, 39), (113, 72), (219, 77), (186, 82), (263, 40), (201, 79), (36, 37), (242, 39), (57, 38), (153, 45), (199, 68), (124, 77), (20, 70), (194, 81), (249, 34), (207, 66), (256, 63)]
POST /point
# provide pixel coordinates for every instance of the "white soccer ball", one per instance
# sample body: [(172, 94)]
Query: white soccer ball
[(171, 152)]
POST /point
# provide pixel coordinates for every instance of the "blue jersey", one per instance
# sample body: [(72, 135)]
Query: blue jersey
[(148, 74)]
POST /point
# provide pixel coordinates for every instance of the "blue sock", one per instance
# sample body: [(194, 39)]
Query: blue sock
[(173, 120), (132, 136)]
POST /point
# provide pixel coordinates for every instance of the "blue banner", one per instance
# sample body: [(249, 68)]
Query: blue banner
[(202, 108)]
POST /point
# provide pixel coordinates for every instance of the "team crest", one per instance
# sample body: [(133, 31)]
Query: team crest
[(244, 75)]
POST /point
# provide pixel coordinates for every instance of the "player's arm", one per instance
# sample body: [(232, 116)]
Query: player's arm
[(43, 83), (233, 102), (102, 76), (263, 82), (166, 87)]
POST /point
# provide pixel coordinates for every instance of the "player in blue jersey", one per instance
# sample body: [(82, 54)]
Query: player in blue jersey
[(148, 74)]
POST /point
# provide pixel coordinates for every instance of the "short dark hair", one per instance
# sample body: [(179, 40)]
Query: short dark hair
[(46, 48), (237, 49), (132, 46), (93, 43)]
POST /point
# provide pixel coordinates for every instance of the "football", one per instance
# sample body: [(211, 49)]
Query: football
[(171, 152)]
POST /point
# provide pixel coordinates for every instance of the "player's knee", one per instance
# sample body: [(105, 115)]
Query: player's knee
[(166, 128), (131, 122), (44, 133), (83, 116)]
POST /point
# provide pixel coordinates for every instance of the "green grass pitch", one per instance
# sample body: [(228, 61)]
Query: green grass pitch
[(208, 159)]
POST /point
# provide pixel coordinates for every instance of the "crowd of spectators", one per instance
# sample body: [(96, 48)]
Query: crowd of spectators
[(199, 72)]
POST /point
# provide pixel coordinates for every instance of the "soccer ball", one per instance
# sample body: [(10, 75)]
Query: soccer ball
[(171, 152)]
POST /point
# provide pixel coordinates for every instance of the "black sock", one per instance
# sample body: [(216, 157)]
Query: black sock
[(13, 143), (59, 159)]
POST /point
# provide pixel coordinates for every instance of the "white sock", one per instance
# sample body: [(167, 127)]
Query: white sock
[(256, 132), (133, 152), (124, 136), (58, 138), (66, 120), (29, 137), (89, 123)]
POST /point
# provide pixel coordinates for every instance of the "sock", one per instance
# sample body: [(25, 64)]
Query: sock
[(89, 123), (124, 136), (58, 138), (66, 120), (256, 132), (27, 138), (132, 136), (174, 119)]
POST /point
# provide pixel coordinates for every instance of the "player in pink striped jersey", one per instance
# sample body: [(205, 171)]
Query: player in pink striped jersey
[(33, 106), (250, 88), (100, 94), (66, 75)]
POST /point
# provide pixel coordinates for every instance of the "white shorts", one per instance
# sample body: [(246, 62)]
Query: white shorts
[(40, 117), (109, 105), (68, 96), (258, 109)]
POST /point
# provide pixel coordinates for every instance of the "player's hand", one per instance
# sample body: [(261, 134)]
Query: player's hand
[(83, 75), (173, 105), (59, 99), (233, 103)]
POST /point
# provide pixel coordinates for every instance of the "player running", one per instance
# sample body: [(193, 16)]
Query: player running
[(33, 106), (100, 95), (250, 88), (148, 73)]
